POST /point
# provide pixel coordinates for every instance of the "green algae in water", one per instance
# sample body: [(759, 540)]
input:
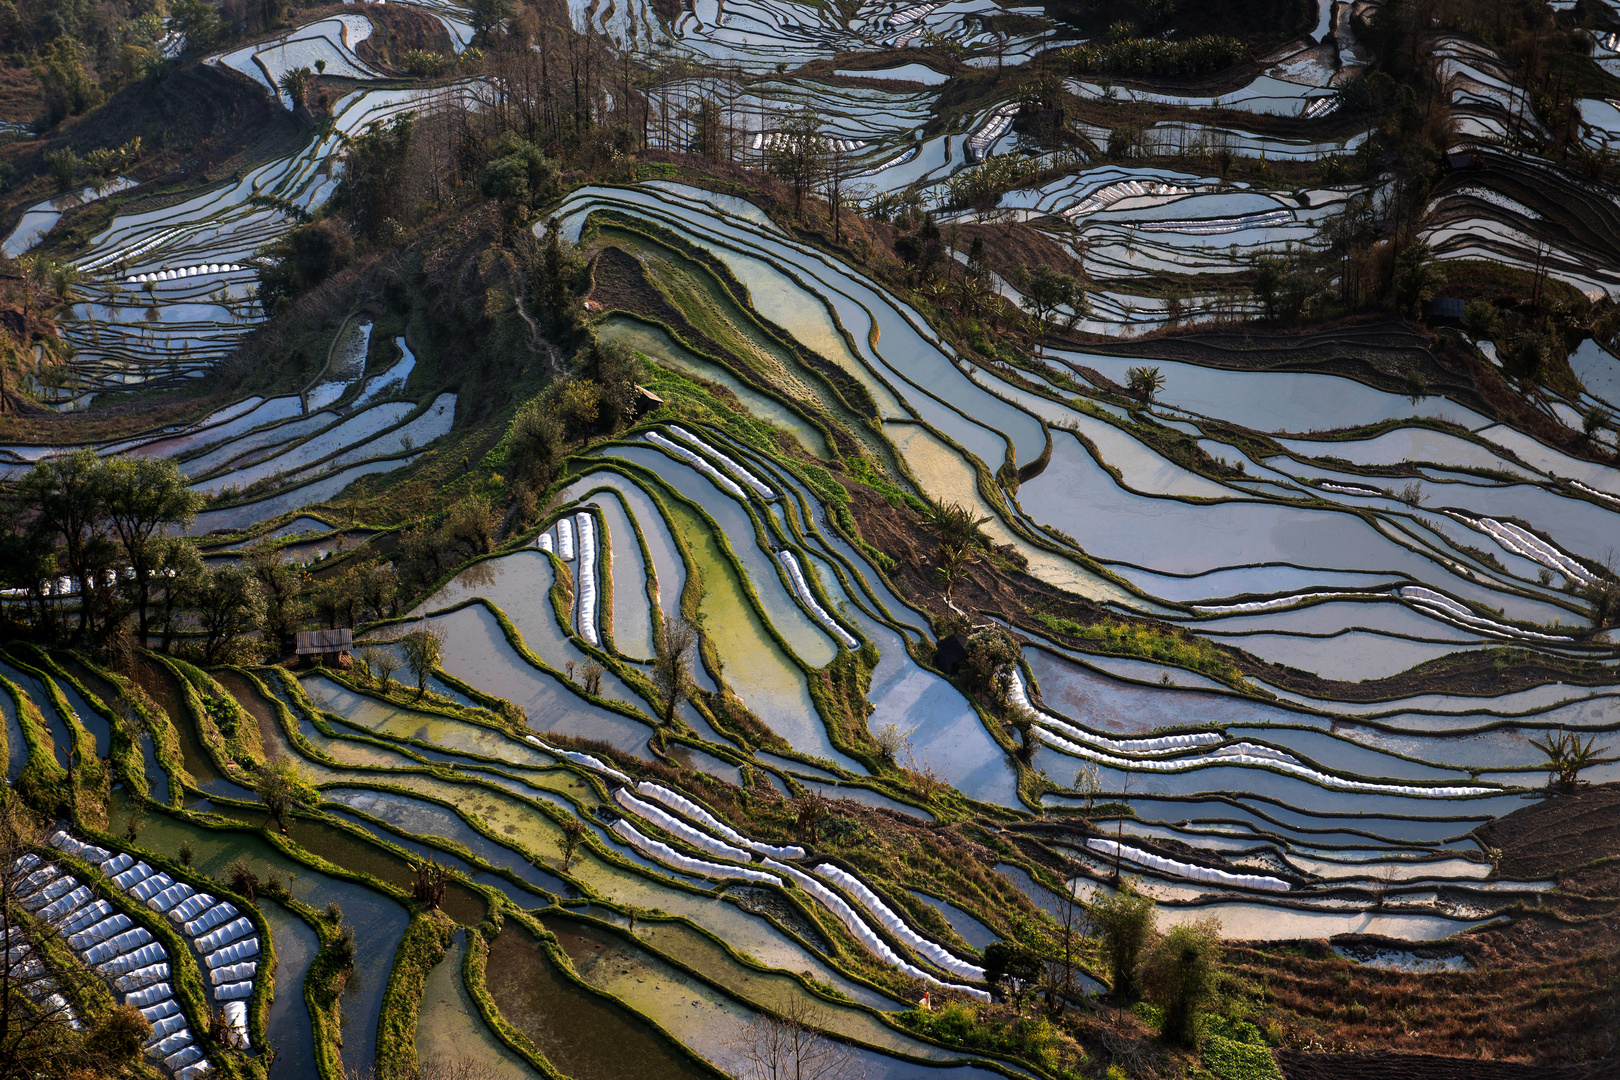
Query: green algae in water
[(397, 722), (762, 989), (248, 696), (584, 1036), (342, 848), (55, 727), (755, 666), (450, 1028)]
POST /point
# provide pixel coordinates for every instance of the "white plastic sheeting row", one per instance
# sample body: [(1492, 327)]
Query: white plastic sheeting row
[(26, 971), (587, 578), (565, 540), (1523, 542), (1158, 744), (760, 488), (662, 853), (1444, 606), (676, 827), (1189, 871), (678, 802), (863, 933), (1248, 754), (885, 915), (184, 272), (1276, 602), (594, 764), (801, 588), (698, 461)]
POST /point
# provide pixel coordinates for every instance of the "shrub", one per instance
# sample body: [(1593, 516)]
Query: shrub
[(64, 166), (1124, 921), (422, 63), (1180, 975)]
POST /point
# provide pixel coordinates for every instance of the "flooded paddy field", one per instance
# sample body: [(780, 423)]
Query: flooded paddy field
[(756, 626)]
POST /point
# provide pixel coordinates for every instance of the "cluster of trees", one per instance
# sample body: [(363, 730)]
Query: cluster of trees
[(90, 548), (102, 527), (83, 52), (1177, 971), (1050, 295), (1548, 51), (1124, 52), (1040, 963), (597, 397)]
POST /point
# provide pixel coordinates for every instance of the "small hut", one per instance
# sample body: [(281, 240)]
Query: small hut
[(321, 643)]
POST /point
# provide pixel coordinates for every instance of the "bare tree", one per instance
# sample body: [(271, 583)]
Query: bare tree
[(1060, 968), (381, 662), (788, 1045), (449, 1068), (672, 669)]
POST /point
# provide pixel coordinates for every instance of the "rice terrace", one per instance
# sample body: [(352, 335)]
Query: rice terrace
[(810, 540)]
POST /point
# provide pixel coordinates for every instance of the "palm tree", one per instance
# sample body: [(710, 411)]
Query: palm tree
[(1144, 382), (295, 84), (960, 540), (1567, 756)]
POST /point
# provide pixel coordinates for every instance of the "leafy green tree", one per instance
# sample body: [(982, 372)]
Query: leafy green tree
[(520, 177), (372, 190), (490, 16), (798, 153), (63, 165), (65, 494), (1126, 141), (1124, 922), (197, 21), (1529, 354), (1180, 975), (469, 528), (615, 367), (423, 649), (144, 498), (300, 260), (282, 788), (28, 564), (69, 88), (230, 604), (556, 277), (295, 84), (537, 438), (1482, 320), (180, 567), (1012, 969), (1282, 289), (1049, 290), (1417, 276), (960, 540), (283, 584), (1568, 757)]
